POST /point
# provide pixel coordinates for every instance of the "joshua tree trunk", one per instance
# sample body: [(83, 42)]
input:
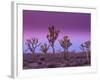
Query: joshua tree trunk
[(33, 51), (53, 49), (33, 54), (87, 56), (64, 53), (67, 51)]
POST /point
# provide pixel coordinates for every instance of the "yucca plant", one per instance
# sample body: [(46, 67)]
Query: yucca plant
[(85, 47), (32, 44), (52, 36), (65, 44), (44, 48), (82, 47)]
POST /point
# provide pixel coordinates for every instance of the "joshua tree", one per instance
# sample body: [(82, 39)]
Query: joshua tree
[(82, 47), (85, 47), (32, 44), (44, 48), (52, 36), (65, 44)]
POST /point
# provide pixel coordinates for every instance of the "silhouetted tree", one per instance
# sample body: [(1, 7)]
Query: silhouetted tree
[(44, 48), (32, 44), (85, 47), (82, 47), (52, 36), (65, 44)]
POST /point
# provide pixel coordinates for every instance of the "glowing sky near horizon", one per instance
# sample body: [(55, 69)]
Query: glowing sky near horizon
[(76, 25)]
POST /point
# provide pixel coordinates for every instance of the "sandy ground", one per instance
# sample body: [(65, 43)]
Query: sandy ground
[(50, 60)]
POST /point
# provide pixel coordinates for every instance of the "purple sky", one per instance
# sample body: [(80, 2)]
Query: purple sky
[(75, 25)]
